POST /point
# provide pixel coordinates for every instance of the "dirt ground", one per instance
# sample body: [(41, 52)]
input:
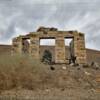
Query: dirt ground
[(52, 94), (72, 83)]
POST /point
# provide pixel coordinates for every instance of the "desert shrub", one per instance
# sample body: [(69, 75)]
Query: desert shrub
[(47, 57), (85, 65)]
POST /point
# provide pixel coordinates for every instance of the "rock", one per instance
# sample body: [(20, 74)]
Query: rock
[(87, 73), (85, 65), (95, 65), (52, 68), (64, 67)]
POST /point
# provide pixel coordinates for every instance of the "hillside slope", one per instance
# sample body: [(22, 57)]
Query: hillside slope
[(92, 55), (23, 78), (5, 49)]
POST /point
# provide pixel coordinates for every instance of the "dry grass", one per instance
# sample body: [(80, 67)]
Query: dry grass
[(27, 73), (22, 72)]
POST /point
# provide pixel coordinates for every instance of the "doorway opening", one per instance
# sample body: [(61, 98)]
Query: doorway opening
[(25, 45), (47, 49), (69, 49)]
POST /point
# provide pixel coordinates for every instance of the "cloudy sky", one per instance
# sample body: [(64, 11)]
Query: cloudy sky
[(23, 16)]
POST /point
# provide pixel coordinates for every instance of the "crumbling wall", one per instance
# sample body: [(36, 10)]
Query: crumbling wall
[(45, 29), (60, 50), (79, 48), (77, 45), (34, 46), (17, 45)]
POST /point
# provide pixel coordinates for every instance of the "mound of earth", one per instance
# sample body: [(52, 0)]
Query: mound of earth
[(65, 83)]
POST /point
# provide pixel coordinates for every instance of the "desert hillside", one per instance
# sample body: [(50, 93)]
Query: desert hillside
[(23, 78), (5, 49), (92, 55)]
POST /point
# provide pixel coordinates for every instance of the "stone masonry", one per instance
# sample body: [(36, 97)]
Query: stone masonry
[(77, 45)]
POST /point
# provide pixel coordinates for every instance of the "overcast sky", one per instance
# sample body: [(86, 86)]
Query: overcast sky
[(22, 16)]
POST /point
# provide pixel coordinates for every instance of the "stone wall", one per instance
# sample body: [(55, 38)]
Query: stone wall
[(77, 47)]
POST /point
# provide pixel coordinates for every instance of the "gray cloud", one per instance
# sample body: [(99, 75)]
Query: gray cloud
[(22, 16)]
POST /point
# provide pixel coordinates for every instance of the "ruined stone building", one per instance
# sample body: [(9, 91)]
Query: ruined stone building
[(30, 44)]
